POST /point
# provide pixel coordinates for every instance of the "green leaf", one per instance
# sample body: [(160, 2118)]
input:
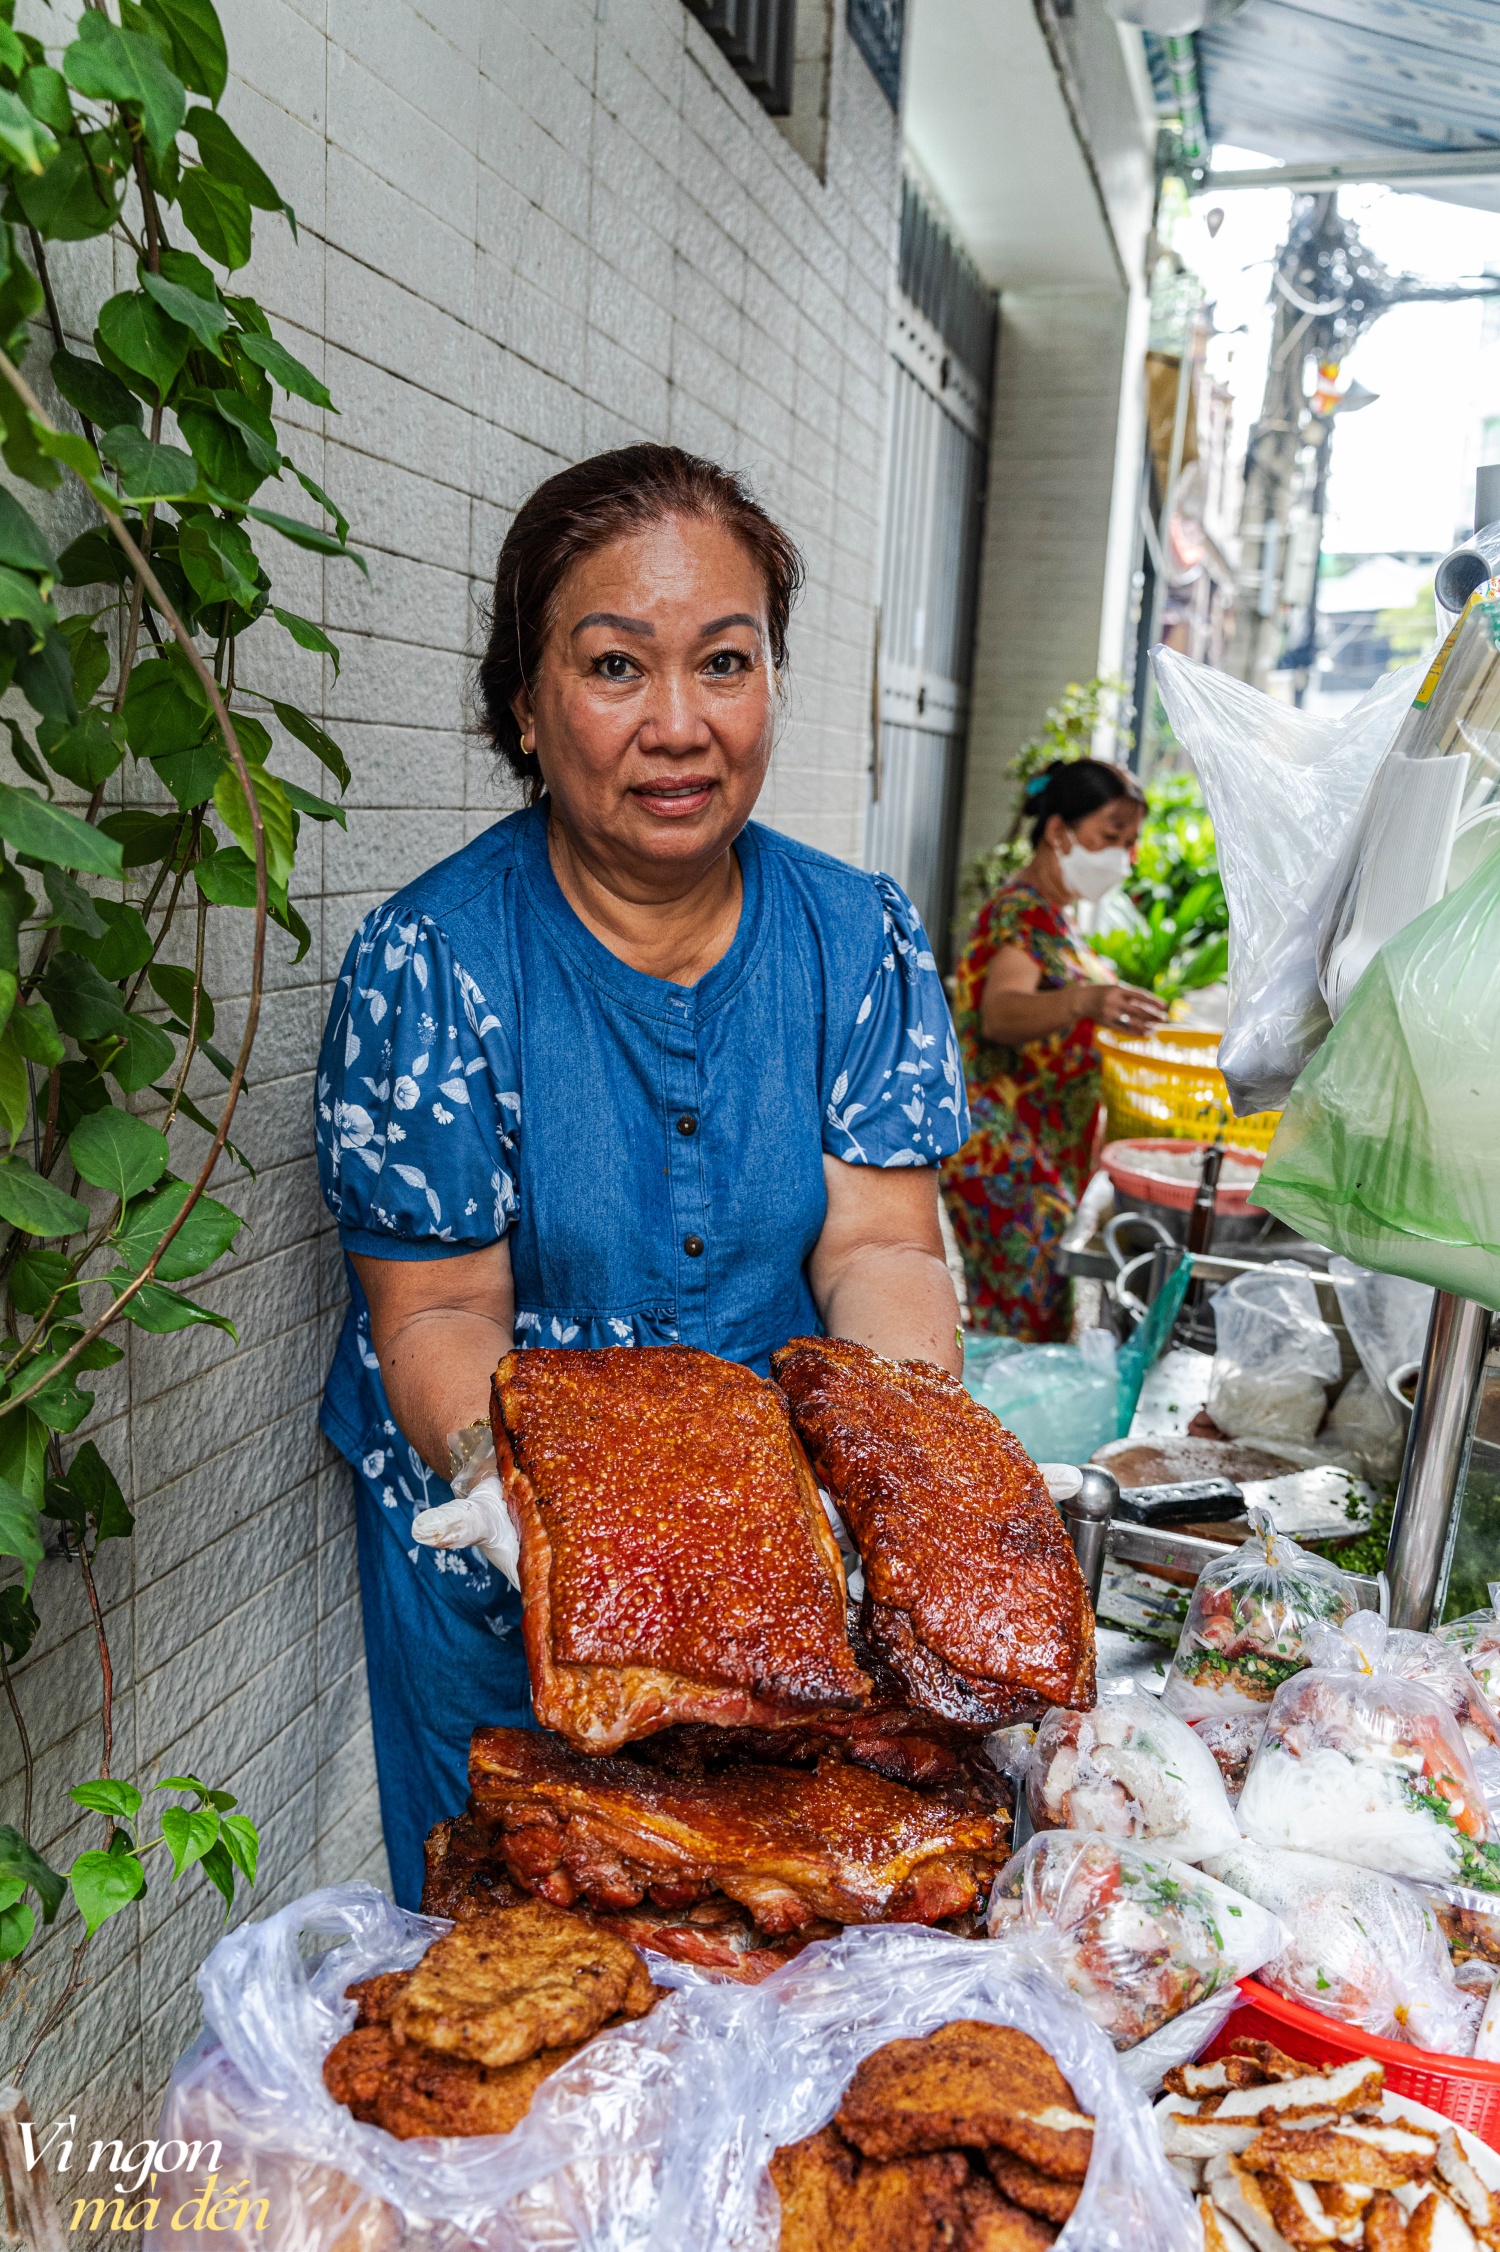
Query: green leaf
[(228, 159), (21, 544), (48, 832), (60, 1403), (242, 1839), (20, 1529), (142, 837), (188, 1836), (217, 216), (32, 1203), (192, 775), (198, 50), (219, 561), (89, 651), (45, 93), (93, 1485), (71, 904), (74, 453), (24, 139), (284, 368), (23, 1452), (95, 558), (316, 809), (121, 1801), (314, 739), (19, 1860), (147, 1054), (227, 878), (72, 199), (161, 1311), (85, 1004), (21, 597), (316, 492), (206, 1234), (15, 1086), (35, 1033), (115, 1151), (165, 707), (111, 65), (37, 1278), (45, 678), (205, 317), (219, 1869), (252, 424), (22, 452), (310, 536), (25, 757), (101, 398), (275, 816), (307, 635), (175, 985), (19, 1624), (90, 751), (149, 472), (144, 338), (103, 1884), (17, 1923)]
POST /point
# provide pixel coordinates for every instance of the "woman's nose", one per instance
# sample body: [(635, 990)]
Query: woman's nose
[(674, 720)]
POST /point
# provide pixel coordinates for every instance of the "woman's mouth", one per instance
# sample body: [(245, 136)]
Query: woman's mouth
[(673, 800)]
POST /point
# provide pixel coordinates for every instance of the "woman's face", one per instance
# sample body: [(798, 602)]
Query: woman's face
[(654, 706), (1118, 823)]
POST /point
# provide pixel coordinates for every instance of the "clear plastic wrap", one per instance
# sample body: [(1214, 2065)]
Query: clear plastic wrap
[(1129, 1769), (653, 2139), (1361, 1947), (1476, 1638), (1373, 1769), (1366, 1644), (1245, 1634), (1138, 1937), (1274, 1357), (1283, 788)]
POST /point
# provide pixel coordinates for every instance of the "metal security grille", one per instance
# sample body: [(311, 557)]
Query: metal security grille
[(759, 37), (933, 521)]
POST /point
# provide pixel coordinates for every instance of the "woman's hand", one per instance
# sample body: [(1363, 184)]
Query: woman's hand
[(1124, 1008), (878, 1273), (440, 1327)]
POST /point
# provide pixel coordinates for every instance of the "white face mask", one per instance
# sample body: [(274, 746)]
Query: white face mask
[(1089, 875)]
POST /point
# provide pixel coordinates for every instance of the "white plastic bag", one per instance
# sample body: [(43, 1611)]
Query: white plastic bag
[(1361, 1947), (1386, 1317), (1366, 1644), (1274, 1356), (1283, 789), (1129, 1769), (1476, 1638), (1138, 1937)]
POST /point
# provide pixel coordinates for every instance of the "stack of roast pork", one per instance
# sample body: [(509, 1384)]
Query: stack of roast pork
[(733, 1756)]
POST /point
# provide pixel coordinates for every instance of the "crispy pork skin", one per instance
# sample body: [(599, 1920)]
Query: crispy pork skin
[(973, 1595), (837, 1842), (676, 1563)]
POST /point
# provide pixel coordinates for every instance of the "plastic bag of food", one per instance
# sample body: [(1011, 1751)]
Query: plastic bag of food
[(1366, 1644), (653, 2138), (1283, 789), (1129, 1769), (1245, 1634), (1476, 1638), (1274, 1357), (1373, 1769), (1388, 1150), (1360, 1947), (1139, 1938)]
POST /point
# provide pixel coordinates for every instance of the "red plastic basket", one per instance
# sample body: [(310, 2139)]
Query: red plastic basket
[(1466, 2092)]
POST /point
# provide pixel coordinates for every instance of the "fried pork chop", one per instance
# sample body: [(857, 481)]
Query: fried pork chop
[(792, 1845), (832, 2201), (986, 2087), (502, 1987), (410, 2092), (973, 1595), (1037, 2192), (676, 1563)]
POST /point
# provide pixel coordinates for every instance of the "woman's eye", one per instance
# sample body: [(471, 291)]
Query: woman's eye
[(615, 665), (725, 663)]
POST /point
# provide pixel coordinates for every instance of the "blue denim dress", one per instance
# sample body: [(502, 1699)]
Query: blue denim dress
[(653, 1152)]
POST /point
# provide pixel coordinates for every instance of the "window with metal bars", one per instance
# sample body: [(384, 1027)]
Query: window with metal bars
[(759, 37), (943, 283)]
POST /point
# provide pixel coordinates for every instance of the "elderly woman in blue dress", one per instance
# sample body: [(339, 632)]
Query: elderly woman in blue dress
[(628, 1069)]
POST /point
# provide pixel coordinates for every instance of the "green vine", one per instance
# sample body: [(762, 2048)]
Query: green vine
[(104, 1012)]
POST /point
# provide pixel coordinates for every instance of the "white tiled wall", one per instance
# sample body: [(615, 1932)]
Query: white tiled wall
[(529, 229)]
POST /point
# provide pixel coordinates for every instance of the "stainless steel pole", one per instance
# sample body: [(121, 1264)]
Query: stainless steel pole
[(1442, 1417)]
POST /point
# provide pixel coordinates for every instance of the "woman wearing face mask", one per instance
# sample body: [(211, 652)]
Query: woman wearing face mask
[(1028, 996)]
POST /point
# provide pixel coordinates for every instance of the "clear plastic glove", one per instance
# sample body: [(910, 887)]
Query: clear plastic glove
[(477, 1517)]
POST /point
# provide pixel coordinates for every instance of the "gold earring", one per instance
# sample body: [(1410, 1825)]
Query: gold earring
[(528, 745)]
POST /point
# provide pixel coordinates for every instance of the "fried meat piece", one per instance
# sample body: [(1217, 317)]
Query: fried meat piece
[(464, 1874), (832, 2201), (411, 2092), (1246, 2064), (1349, 2151), (987, 2087), (355, 2067), (676, 1563), (1219, 2232), (1037, 2192), (376, 1997), (1385, 2224), (1355, 2086), (993, 2224), (973, 1595), (498, 1989), (839, 1844)]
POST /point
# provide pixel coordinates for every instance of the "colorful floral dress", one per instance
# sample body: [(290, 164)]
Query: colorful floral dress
[(1013, 1187)]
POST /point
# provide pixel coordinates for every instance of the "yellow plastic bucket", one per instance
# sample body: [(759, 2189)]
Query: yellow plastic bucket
[(1169, 1084)]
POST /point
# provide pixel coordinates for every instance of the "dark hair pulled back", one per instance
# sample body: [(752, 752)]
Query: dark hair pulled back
[(1076, 788), (582, 509)]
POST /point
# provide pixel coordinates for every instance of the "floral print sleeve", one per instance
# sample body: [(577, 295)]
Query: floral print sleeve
[(418, 1108), (898, 1092)]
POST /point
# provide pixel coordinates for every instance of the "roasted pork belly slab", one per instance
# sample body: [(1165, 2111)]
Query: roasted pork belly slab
[(973, 1595), (676, 1563), (791, 1844)]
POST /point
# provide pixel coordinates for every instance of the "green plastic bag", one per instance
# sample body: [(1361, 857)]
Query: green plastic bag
[(1389, 1149)]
